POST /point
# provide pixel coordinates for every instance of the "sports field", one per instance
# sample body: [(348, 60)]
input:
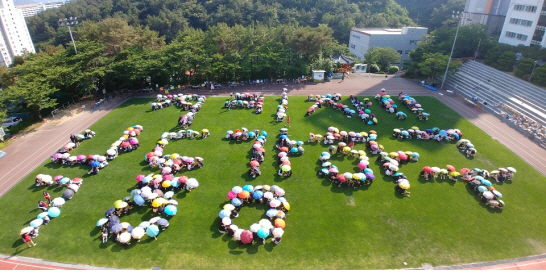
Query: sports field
[(328, 227)]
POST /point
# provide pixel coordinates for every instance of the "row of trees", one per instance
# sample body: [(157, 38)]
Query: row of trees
[(168, 17), (114, 55)]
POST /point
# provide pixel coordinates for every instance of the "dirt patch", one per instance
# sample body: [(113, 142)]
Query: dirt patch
[(538, 246)]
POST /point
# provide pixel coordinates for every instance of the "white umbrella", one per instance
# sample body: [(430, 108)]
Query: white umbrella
[(59, 201), (138, 233), (144, 224), (268, 195), (265, 223), (155, 219), (255, 227), (278, 232), (237, 234), (226, 221), (488, 195), (124, 237), (125, 225), (74, 187)]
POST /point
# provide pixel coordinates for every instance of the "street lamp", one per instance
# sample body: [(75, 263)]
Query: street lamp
[(454, 15), (534, 66), (72, 21)]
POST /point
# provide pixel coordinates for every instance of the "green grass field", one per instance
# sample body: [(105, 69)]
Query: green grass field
[(442, 223)]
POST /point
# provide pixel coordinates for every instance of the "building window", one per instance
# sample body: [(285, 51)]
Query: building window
[(510, 34), (399, 52), (353, 46), (525, 8), (407, 52), (521, 37), (413, 42), (522, 22), (518, 36)]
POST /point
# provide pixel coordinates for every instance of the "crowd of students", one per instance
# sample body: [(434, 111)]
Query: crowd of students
[(245, 101), (270, 227)]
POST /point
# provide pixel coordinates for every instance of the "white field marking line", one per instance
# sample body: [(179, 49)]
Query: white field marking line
[(511, 266), (500, 135), (101, 114), (15, 267), (16, 264)]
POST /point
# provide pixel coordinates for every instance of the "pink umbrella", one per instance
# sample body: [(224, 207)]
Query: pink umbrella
[(158, 149), (282, 154), (190, 160), (360, 112), (369, 104), (140, 177), (166, 170), (133, 141), (125, 144), (81, 157), (183, 179), (418, 105), (231, 195), (388, 106), (58, 178), (168, 177), (362, 166), (57, 155), (333, 170), (275, 203)]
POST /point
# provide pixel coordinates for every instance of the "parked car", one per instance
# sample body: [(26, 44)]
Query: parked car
[(11, 121)]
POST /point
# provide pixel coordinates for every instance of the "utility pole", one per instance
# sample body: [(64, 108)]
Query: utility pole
[(455, 15), (72, 21)]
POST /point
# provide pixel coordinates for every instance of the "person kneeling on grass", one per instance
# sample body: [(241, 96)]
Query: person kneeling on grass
[(402, 191)]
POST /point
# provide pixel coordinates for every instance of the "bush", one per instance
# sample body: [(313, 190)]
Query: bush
[(393, 69), (380, 72), (374, 68)]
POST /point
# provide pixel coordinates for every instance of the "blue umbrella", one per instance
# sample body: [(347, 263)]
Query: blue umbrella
[(162, 222), (271, 212), (370, 176), (426, 114), (281, 198), (325, 171), (257, 194), (170, 210), (443, 133), (175, 183), (324, 153), (294, 150), (64, 180), (370, 122), (299, 142), (236, 202), (95, 164), (109, 212), (486, 182), (328, 95), (479, 177), (38, 222), (114, 219), (482, 188), (147, 179), (139, 200), (102, 221), (477, 169), (333, 166), (54, 212), (420, 109), (251, 135), (416, 155), (284, 136), (372, 137), (428, 131), (394, 105), (152, 230), (398, 174), (405, 133), (42, 215), (264, 133), (248, 188), (263, 233), (115, 228), (470, 145), (368, 170), (224, 213), (456, 136)]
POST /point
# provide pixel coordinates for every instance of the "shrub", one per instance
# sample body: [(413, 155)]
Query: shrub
[(374, 68), (393, 69)]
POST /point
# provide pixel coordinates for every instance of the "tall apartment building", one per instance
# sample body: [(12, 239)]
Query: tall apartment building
[(402, 40), (525, 23), (15, 38), (491, 13), (33, 9)]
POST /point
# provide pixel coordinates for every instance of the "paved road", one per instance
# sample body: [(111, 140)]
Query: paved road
[(30, 150)]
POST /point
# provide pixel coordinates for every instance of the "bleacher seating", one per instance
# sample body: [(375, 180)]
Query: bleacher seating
[(496, 88)]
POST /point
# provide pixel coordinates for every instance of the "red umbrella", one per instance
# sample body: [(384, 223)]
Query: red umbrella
[(90, 157), (125, 144), (246, 237), (150, 155), (254, 163), (372, 142), (286, 162), (244, 194), (177, 161), (427, 169), (402, 156), (168, 177), (339, 104), (183, 179), (373, 132), (341, 178), (261, 150), (451, 168), (464, 170), (284, 149)]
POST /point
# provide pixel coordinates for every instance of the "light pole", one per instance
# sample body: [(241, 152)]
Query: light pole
[(72, 21), (534, 66), (454, 15)]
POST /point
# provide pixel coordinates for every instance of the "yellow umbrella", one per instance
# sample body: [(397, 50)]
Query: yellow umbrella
[(364, 134), (454, 174), (166, 184), (393, 154), (360, 152), (229, 207), (336, 130), (363, 157), (120, 205), (158, 176), (346, 149), (125, 136), (129, 129), (174, 156), (286, 205), (408, 152), (156, 203), (381, 147), (205, 130)]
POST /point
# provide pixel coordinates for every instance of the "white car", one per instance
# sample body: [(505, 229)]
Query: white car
[(11, 121)]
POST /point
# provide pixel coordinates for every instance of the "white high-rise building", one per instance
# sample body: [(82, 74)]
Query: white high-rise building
[(15, 38), (491, 13), (33, 9), (525, 23)]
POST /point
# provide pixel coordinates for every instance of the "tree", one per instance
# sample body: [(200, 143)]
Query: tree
[(540, 75), (382, 56), (524, 67), (436, 62), (506, 61)]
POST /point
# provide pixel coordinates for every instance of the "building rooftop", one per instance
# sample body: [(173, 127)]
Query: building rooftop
[(385, 31)]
